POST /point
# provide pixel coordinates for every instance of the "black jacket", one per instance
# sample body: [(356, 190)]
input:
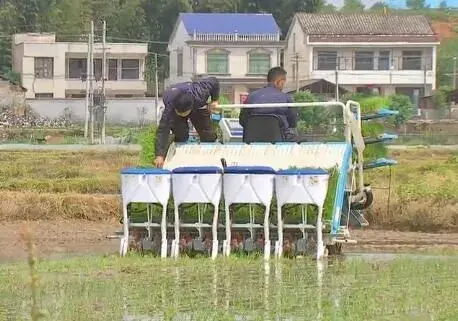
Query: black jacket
[(200, 90), (270, 95)]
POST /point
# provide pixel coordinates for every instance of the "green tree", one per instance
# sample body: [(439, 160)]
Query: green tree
[(9, 18), (403, 104), (353, 6), (443, 4), (415, 4)]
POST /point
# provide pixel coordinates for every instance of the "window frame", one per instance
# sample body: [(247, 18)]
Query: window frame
[(217, 52), (264, 54), (137, 69), (46, 70), (319, 60)]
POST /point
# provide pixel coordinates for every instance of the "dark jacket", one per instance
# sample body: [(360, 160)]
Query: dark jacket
[(268, 95), (200, 90)]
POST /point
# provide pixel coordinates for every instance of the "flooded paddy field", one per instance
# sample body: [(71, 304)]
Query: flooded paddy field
[(81, 278)]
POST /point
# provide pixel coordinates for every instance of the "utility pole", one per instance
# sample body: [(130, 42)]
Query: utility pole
[(297, 72), (337, 84), (90, 68), (86, 121), (454, 73), (425, 86), (156, 84), (104, 71)]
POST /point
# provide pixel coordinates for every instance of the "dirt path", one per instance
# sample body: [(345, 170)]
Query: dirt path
[(56, 239)]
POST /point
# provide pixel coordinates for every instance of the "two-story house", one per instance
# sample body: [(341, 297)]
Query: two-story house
[(238, 49), (378, 52), (51, 69)]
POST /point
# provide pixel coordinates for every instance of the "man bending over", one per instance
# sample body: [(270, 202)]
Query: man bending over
[(185, 101), (272, 93)]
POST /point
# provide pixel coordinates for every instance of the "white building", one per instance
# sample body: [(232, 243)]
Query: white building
[(51, 69), (386, 53), (238, 49)]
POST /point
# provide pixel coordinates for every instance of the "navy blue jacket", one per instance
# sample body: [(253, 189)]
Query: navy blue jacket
[(270, 95), (200, 90)]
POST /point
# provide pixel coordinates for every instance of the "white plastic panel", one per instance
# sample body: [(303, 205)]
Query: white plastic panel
[(197, 188), (145, 188), (301, 189), (278, 156), (248, 188)]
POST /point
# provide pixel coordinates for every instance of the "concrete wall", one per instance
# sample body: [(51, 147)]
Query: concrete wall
[(11, 96), (119, 111)]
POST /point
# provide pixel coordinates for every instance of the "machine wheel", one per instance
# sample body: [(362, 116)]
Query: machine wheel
[(334, 249), (368, 200)]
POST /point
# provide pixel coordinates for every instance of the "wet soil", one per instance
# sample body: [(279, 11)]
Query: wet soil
[(56, 239)]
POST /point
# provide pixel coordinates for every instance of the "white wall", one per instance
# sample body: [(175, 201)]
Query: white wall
[(119, 110), (178, 43), (296, 44), (24, 61)]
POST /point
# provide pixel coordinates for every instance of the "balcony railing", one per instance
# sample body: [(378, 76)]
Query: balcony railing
[(375, 63), (236, 37)]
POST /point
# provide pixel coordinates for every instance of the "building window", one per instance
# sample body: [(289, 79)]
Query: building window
[(179, 64), (44, 95), (258, 63), (384, 60), (77, 68), (411, 60), (130, 69), (364, 60), (217, 62), (326, 60), (113, 69), (44, 67)]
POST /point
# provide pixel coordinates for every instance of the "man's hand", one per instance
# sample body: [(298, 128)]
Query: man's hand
[(159, 161), (213, 106)]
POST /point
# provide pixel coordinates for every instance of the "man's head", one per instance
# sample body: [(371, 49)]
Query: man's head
[(183, 104), (276, 77)]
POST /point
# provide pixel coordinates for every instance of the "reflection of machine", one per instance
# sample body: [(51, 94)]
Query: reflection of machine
[(231, 129)]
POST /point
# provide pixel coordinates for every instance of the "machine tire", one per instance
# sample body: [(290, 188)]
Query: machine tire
[(369, 199)]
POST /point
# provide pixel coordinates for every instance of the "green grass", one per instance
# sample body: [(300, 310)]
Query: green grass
[(106, 288)]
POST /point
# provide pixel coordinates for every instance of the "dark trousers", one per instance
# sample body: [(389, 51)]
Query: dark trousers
[(200, 119)]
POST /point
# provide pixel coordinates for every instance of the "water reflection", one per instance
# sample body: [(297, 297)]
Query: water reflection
[(239, 289), (232, 290)]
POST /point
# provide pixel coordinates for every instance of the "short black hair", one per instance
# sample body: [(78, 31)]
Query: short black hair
[(183, 102), (274, 73)]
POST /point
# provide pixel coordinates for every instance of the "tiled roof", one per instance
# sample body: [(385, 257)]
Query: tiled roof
[(228, 23), (373, 38), (364, 24)]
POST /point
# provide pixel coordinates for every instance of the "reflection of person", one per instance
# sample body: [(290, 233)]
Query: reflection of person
[(182, 102), (272, 93)]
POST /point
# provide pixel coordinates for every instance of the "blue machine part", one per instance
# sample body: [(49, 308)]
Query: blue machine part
[(381, 162), (302, 171), (381, 113), (144, 171), (380, 138), (197, 170), (216, 117), (231, 129), (249, 170)]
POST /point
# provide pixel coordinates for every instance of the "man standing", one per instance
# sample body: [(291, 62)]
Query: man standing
[(182, 102), (272, 93)]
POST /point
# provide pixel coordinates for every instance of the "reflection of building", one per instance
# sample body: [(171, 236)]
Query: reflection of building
[(238, 49), (360, 52), (51, 69), (12, 96)]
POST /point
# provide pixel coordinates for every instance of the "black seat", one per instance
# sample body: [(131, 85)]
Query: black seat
[(263, 128)]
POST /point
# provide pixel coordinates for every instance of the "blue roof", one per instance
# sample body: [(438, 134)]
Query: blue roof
[(227, 23)]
